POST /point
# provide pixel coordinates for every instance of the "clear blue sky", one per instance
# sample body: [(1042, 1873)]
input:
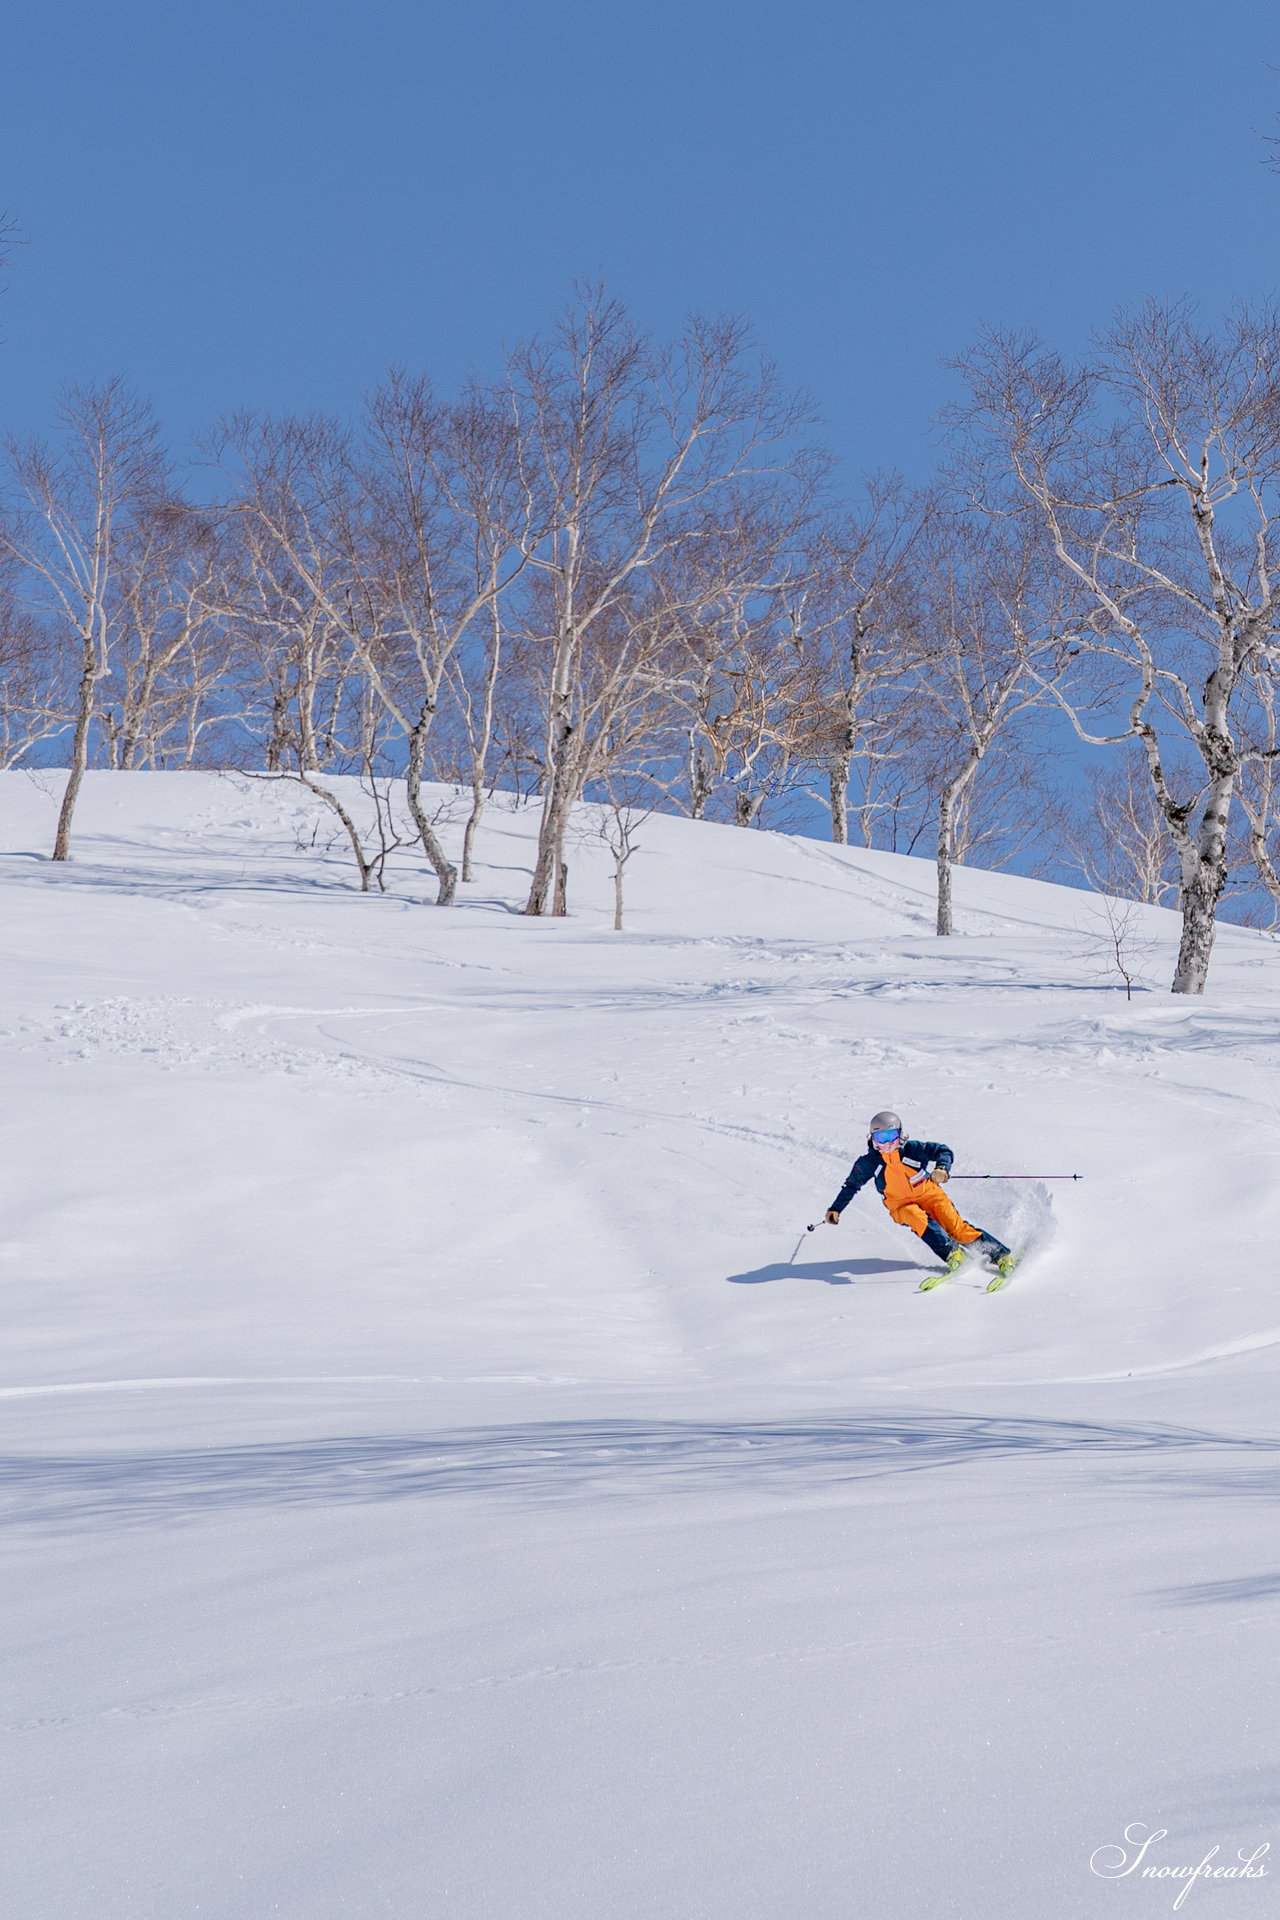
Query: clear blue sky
[(266, 204)]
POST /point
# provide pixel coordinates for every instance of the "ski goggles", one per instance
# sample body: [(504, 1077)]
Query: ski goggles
[(885, 1136)]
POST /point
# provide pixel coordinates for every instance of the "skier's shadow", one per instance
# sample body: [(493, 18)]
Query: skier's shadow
[(836, 1273)]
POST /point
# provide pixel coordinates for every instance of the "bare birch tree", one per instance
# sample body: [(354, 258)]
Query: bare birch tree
[(289, 567), (1156, 470), (638, 452), (626, 808), (749, 698), (997, 636), (399, 544), (1124, 849), (172, 655), (33, 693), (474, 680), (854, 606), (448, 522), (78, 503)]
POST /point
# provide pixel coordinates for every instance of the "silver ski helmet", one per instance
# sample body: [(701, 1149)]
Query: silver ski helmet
[(881, 1123)]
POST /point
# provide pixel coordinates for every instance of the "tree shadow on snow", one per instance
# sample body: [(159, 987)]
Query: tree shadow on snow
[(836, 1273), (1216, 1804), (533, 1466), (1207, 1593)]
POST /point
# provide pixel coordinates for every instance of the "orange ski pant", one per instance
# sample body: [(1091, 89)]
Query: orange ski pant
[(929, 1202)]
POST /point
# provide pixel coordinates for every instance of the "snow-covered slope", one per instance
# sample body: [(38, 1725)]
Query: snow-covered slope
[(432, 1489)]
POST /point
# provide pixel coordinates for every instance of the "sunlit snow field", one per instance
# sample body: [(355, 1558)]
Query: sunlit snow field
[(431, 1489)]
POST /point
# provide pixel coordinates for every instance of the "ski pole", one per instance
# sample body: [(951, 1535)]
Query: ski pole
[(1017, 1176), (800, 1242)]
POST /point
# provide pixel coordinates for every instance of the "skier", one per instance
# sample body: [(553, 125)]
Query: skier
[(900, 1169)]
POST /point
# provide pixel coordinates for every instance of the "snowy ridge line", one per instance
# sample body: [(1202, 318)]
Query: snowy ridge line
[(1229, 1350), (236, 1016), (214, 1380)]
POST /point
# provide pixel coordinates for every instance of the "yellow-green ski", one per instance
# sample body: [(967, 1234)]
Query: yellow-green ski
[(1004, 1270), (1003, 1274), (955, 1260)]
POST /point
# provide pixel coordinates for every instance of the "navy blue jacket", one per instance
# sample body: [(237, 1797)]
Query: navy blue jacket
[(870, 1166)]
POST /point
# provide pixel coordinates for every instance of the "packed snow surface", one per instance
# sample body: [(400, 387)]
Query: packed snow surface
[(434, 1489)]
